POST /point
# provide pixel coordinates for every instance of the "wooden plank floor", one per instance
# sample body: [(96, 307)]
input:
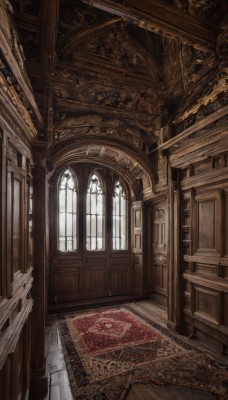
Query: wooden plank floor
[(59, 386)]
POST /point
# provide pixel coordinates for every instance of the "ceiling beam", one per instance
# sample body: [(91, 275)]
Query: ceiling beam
[(49, 28), (159, 18)]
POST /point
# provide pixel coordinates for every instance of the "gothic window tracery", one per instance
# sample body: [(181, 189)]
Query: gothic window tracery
[(67, 215)]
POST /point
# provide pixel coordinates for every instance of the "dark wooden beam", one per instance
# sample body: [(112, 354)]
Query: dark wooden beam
[(19, 74), (159, 18), (72, 39), (67, 105), (50, 15)]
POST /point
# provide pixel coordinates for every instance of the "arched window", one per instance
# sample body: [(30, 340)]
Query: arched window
[(119, 218), (95, 214), (67, 211)]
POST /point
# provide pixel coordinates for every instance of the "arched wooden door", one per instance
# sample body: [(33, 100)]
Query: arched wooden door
[(90, 257)]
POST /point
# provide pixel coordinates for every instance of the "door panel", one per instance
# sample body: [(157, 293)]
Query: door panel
[(137, 247), (158, 246)]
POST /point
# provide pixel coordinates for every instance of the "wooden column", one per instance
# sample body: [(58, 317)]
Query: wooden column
[(174, 274), (39, 383)]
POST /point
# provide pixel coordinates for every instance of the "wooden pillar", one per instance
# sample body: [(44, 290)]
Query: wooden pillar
[(174, 274), (39, 383)]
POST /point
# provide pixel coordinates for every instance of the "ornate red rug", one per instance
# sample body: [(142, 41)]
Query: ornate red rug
[(106, 351)]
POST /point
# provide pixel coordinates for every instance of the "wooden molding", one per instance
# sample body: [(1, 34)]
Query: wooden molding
[(155, 17), (20, 76), (196, 127)]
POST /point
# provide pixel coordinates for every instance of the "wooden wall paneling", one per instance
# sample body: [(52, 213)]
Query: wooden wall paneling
[(16, 305), (225, 227), (17, 371), (20, 365), (187, 242), (9, 271), (225, 308), (158, 248), (120, 273), (16, 218), (17, 223), (148, 253), (204, 308), (38, 364), (67, 278), (208, 223), (5, 378), (174, 281), (137, 243), (96, 275), (13, 314), (2, 215), (28, 220), (52, 232), (27, 357), (207, 304)]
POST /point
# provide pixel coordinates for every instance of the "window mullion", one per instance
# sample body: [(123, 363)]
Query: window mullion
[(96, 223), (119, 221), (66, 217), (90, 220)]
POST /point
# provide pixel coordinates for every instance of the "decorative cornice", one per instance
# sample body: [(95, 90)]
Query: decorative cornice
[(195, 128), (159, 18)]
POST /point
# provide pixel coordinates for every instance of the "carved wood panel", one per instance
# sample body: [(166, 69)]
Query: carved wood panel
[(158, 250), (120, 273), (90, 275), (16, 223), (16, 305), (226, 223), (137, 247), (207, 223), (207, 304), (204, 263)]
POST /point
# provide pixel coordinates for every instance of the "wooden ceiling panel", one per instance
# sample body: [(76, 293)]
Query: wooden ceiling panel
[(118, 73)]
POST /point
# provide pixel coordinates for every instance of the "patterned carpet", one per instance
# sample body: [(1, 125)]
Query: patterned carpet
[(109, 350)]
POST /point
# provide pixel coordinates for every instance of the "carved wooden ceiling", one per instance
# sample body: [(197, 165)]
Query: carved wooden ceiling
[(116, 72)]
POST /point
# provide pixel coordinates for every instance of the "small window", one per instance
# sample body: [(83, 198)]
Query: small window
[(95, 214), (67, 229), (119, 218)]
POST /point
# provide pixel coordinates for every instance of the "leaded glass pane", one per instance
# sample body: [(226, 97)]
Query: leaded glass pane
[(69, 224), (93, 226), (69, 201), (67, 232), (99, 243), (99, 204), (99, 225), (62, 224), (93, 198), (119, 217), (93, 243), (62, 244), (95, 214), (62, 200)]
